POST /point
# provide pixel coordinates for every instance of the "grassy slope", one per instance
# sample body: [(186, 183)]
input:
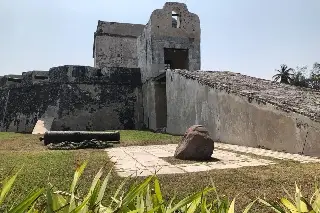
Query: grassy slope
[(58, 166), (41, 166)]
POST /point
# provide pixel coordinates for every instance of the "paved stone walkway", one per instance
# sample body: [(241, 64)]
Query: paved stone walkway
[(268, 153), (146, 160)]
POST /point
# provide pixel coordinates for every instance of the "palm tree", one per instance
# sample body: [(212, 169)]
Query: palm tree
[(284, 74)]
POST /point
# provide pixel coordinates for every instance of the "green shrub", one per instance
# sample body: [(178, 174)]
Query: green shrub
[(26, 204), (297, 203), (143, 197)]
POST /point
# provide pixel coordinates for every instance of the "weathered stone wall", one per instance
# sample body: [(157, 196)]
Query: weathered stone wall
[(242, 110), (9, 80), (161, 104), (144, 50), (160, 34), (115, 44), (31, 77), (25, 104), (145, 63), (149, 105), (78, 97)]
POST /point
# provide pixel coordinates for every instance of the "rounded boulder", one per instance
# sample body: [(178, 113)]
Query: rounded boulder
[(196, 144)]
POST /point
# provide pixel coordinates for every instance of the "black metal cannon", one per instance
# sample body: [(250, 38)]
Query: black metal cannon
[(79, 136)]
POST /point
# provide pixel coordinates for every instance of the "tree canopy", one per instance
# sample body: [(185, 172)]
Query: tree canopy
[(285, 74), (300, 76)]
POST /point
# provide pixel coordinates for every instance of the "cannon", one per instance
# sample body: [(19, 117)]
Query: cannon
[(79, 136)]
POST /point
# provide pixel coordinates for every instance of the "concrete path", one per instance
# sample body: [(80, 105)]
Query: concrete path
[(268, 153), (146, 160)]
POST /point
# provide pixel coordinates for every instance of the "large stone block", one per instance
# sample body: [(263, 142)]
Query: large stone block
[(196, 144)]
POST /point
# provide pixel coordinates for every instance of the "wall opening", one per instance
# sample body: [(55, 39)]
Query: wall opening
[(41, 77), (161, 102), (175, 19), (176, 58), (13, 79)]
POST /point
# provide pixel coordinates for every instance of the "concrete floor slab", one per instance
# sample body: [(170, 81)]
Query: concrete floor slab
[(154, 163), (194, 168), (171, 169), (267, 153), (137, 173), (146, 160), (129, 166)]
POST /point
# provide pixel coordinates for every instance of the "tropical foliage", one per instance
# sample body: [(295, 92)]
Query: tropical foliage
[(285, 74), (300, 76), (296, 203), (142, 197)]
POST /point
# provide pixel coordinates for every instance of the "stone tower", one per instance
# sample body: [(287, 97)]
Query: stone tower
[(170, 40)]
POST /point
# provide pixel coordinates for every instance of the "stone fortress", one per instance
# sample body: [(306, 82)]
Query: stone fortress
[(148, 76)]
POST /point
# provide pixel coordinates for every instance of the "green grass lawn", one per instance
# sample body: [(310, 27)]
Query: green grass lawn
[(41, 166)]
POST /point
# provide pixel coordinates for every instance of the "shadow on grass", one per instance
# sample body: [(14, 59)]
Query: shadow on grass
[(23, 133)]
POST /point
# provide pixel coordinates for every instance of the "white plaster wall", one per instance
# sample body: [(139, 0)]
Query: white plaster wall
[(232, 119)]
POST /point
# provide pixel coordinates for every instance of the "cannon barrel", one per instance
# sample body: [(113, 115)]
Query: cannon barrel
[(79, 136)]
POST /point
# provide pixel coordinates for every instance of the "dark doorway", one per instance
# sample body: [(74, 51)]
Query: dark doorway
[(176, 58), (161, 101)]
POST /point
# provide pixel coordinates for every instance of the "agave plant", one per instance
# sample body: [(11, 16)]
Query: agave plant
[(284, 74), (143, 197), (27, 204), (67, 202), (297, 203), (139, 198)]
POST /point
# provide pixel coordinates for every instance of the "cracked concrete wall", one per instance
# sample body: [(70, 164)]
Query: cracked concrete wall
[(159, 34), (78, 98), (161, 104), (233, 119), (149, 105), (115, 44), (144, 49), (148, 91)]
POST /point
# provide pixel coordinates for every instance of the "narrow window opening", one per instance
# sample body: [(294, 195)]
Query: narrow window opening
[(41, 77), (175, 19), (99, 73), (17, 80)]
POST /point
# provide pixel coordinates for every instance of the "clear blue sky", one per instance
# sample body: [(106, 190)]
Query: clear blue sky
[(252, 37)]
